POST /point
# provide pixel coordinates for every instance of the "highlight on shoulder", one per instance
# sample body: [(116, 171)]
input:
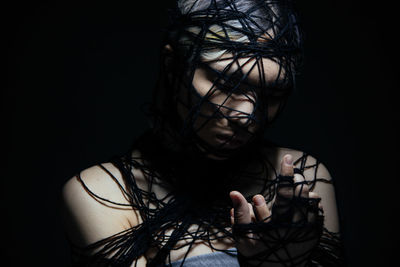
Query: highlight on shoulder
[(94, 205)]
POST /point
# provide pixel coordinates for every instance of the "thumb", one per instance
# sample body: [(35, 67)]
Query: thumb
[(241, 209), (287, 165)]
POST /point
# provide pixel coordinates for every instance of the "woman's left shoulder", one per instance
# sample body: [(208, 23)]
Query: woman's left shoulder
[(319, 181), (310, 166)]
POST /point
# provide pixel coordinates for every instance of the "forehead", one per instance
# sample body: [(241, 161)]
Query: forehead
[(256, 70)]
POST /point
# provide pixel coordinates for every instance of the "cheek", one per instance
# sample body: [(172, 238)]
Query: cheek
[(201, 84)]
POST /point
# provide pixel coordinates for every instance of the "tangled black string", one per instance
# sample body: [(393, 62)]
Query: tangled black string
[(269, 30), (173, 156), (180, 210)]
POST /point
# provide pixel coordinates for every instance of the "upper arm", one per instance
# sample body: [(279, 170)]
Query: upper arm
[(325, 190), (324, 187), (88, 218)]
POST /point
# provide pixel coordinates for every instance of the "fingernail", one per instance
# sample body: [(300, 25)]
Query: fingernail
[(258, 200), (289, 160)]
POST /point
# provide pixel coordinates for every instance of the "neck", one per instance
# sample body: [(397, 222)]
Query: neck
[(193, 170)]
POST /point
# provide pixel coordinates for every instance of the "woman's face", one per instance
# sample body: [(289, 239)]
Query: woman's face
[(225, 96)]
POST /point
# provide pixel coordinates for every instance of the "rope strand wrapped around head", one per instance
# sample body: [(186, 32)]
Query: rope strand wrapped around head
[(249, 50)]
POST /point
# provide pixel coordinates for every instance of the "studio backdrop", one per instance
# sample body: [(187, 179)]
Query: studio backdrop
[(80, 75)]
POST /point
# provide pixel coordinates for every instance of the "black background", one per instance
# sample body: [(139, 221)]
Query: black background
[(78, 73)]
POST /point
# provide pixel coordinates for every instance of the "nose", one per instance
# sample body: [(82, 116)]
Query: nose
[(239, 109)]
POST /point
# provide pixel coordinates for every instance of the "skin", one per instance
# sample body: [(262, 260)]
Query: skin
[(235, 106), (88, 219), (209, 130), (245, 213)]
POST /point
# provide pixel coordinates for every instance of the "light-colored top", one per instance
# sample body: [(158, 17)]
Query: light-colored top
[(215, 259)]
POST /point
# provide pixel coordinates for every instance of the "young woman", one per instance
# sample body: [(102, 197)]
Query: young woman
[(203, 187)]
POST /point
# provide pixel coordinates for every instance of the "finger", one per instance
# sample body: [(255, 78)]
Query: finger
[(301, 205), (287, 165), (301, 188), (261, 209), (232, 216), (284, 185), (252, 215), (240, 208)]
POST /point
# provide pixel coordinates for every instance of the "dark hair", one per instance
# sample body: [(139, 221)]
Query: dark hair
[(204, 30)]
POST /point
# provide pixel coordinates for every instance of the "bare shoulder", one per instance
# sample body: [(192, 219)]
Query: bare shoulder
[(95, 205), (320, 181), (311, 166)]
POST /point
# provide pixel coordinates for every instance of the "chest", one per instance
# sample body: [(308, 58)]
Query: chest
[(200, 235)]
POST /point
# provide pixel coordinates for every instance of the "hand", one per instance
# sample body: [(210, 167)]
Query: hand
[(278, 240)]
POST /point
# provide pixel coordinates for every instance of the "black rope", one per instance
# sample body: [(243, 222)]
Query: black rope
[(176, 156)]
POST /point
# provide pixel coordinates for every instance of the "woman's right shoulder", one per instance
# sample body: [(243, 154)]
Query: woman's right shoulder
[(96, 206), (102, 179)]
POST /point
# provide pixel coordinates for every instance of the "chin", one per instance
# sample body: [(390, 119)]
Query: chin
[(218, 151)]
